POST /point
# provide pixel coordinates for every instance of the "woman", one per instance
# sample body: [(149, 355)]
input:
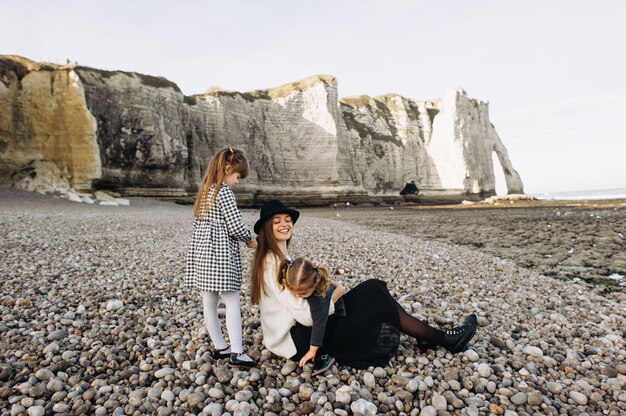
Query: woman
[(368, 334)]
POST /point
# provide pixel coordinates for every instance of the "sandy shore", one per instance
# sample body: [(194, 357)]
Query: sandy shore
[(94, 320)]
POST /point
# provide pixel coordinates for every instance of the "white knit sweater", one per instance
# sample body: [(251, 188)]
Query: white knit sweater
[(280, 310)]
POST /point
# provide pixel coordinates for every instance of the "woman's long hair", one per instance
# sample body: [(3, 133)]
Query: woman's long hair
[(215, 175), (266, 244), (302, 278)]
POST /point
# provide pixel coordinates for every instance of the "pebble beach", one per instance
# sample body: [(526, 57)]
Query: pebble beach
[(94, 319)]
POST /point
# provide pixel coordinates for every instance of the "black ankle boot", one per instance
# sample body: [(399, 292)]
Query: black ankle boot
[(456, 339)]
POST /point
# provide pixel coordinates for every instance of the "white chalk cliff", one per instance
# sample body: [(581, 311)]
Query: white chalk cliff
[(139, 135)]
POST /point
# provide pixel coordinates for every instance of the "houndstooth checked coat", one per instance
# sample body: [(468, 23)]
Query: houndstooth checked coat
[(213, 262)]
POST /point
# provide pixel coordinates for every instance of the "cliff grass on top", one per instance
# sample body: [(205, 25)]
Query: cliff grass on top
[(147, 80), (274, 93), (20, 66), (300, 86), (8, 66)]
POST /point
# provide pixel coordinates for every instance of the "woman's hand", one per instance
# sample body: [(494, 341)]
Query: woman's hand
[(252, 244), (310, 355)]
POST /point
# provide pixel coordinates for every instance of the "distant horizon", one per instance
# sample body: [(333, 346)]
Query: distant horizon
[(582, 191)]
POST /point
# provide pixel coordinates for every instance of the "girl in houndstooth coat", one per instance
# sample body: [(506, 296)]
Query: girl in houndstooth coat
[(213, 264)]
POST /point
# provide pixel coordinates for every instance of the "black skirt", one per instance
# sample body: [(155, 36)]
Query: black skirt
[(367, 336)]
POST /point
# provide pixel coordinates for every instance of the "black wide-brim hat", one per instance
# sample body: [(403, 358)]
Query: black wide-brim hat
[(271, 208)]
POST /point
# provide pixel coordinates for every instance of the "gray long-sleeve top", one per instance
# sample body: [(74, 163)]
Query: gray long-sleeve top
[(319, 312)]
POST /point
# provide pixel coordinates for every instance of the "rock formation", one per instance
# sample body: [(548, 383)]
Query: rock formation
[(293, 136), (443, 146), (139, 135), (143, 125), (47, 134)]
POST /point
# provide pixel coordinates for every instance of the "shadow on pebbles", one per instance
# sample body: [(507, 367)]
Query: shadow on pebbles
[(94, 319)]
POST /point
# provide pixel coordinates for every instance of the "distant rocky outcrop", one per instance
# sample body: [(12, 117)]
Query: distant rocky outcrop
[(47, 134), (139, 135), (442, 146)]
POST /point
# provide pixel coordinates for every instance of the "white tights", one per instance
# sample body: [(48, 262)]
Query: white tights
[(210, 301)]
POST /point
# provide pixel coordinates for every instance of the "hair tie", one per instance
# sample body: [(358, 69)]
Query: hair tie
[(231, 150)]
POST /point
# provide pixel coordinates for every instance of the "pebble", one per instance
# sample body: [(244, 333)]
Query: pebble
[(168, 395), (163, 372), (114, 305), (36, 411), (51, 348), (484, 370), (439, 402), (44, 374), (128, 341), (288, 368), (369, 380), (194, 399), (535, 398), (61, 408), (472, 355), (213, 409), (497, 342), (534, 351), (579, 398), (362, 407), (519, 398), (242, 409), (343, 395), (216, 393), (55, 385), (428, 411), (495, 409), (472, 410)]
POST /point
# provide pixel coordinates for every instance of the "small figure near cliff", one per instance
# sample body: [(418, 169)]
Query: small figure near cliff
[(410, 189), (213, 264), (368, 334)]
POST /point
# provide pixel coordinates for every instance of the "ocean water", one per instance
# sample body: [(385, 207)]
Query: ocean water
[(618, 193)]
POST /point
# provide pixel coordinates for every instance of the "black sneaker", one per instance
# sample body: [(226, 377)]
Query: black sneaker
[(223, 353), (456, 339), (322, 363), (241, 360)]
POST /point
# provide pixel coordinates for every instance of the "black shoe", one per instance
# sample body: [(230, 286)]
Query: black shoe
[(241, 360), (456, 339), (425, 346), (223, 353), (322, 363)]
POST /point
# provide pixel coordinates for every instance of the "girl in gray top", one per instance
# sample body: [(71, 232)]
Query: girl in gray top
[(310, 281)]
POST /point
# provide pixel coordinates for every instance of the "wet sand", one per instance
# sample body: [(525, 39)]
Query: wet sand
[(564, 239)]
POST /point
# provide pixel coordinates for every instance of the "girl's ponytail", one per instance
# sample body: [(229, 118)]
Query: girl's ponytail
[(302, 278), (324, 281)]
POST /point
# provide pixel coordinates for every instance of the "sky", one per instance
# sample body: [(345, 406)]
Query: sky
[(554, 72)]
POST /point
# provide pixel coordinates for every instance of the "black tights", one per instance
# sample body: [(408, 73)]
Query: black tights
[(420, 330)]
